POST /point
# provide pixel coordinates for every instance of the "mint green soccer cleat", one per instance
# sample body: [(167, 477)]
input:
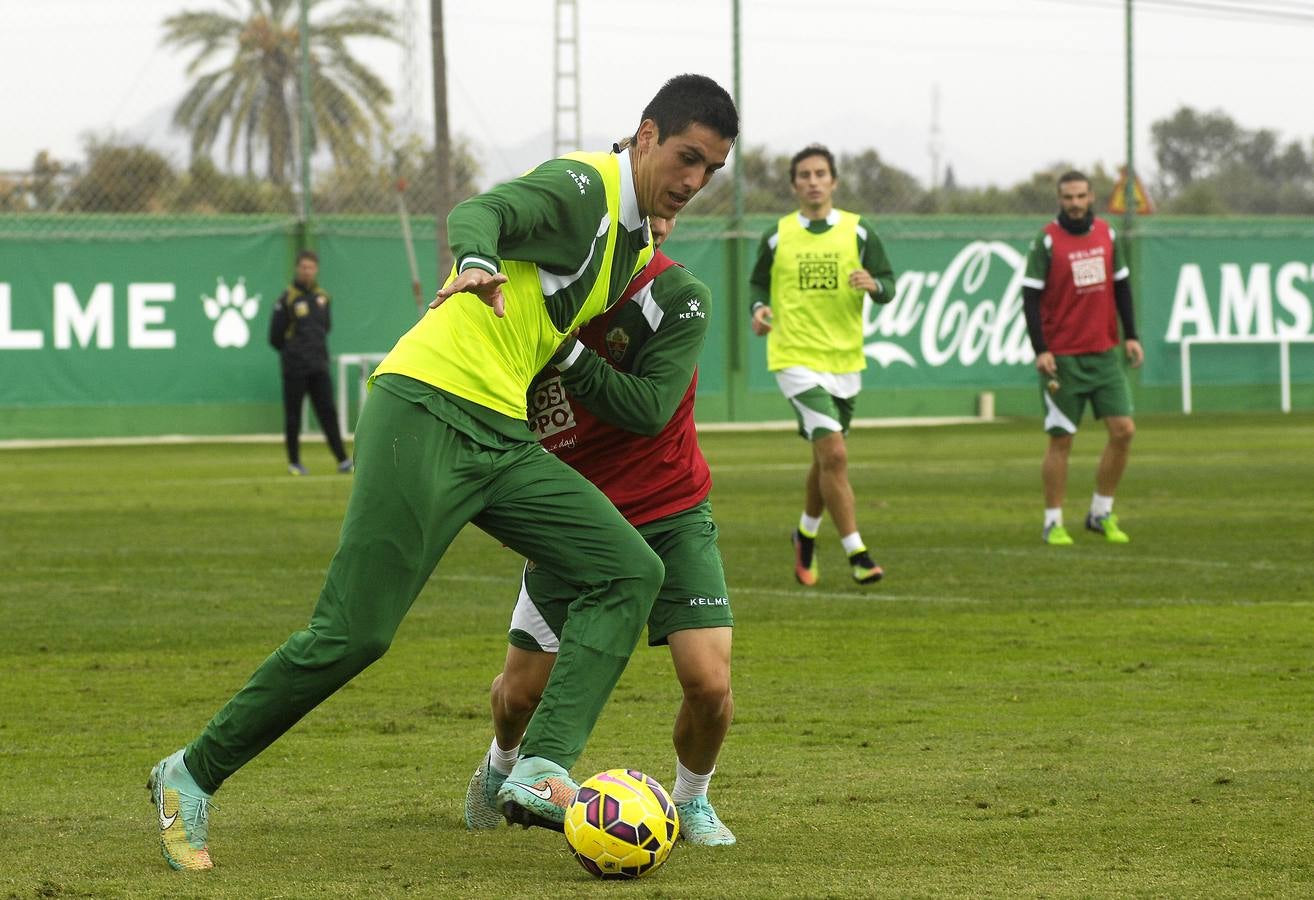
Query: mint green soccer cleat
[(1107, 526), (537, 792), (1056, 536), (184, 811), (700, 825), (481, 798)]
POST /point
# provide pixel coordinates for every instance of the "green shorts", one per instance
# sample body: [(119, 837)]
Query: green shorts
[(692, 596), (1096, 378), (820, 413)]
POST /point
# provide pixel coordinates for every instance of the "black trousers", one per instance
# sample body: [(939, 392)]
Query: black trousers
[(296, 384)]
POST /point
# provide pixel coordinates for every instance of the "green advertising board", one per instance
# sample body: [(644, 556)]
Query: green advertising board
[(110, 330)]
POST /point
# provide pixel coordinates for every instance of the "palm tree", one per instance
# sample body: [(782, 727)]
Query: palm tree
[(252, 97)]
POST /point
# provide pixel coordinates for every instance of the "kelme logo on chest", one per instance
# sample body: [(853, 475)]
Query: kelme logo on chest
[(617, 343), (818, 275)]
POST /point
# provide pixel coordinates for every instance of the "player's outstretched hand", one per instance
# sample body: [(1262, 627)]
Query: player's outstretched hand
[(761, 320), (484, 285), (1135, 353)]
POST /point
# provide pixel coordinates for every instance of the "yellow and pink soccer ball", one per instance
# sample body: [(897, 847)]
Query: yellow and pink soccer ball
[(621, 825)]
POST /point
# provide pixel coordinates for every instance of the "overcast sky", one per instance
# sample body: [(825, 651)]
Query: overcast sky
[(1022, 83)]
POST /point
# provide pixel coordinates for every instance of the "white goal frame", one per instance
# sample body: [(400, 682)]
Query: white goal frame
[(365, 363), (1284, 361)]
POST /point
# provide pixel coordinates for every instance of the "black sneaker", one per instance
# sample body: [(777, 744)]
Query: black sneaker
[(865, 570), (805, 558)]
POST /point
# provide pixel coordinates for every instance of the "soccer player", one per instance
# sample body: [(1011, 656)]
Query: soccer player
[(444, 441), (1075, 290), (814, 267), (618, 406)]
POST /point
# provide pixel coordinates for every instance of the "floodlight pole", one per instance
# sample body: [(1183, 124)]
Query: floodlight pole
[(1129, 184)]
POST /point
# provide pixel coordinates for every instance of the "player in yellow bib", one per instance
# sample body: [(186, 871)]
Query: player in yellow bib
[(814, 269), (443, 441)]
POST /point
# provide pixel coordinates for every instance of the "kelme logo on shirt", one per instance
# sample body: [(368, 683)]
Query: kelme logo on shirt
[(818, 275), (617, 342), (695, 310), (581, 181)]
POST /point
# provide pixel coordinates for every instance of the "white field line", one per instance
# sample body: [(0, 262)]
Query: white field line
[(779, 425), (881, 595)]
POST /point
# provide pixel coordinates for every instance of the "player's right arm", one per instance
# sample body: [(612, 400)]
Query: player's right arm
[(278, 323), (1033, 288), (643, 400), (759, 284), (549, 217)]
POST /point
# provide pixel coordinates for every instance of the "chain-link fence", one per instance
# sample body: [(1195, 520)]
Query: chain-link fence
[(283, 124)]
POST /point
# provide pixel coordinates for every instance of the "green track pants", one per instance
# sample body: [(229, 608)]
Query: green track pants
[(418, 481)]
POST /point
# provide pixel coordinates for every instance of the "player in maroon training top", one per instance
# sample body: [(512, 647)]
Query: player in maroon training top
[(617, 405), (1076, 290)]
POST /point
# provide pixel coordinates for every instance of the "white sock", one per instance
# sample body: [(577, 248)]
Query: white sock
[(689, 785), (503, 760), (1053, 515), (1100, 505), (809, 526), (852, 543)]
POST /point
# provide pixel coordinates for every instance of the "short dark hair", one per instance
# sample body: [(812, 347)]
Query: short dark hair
[(813, 150), (1072, 175), (310, 255), (691, 99)]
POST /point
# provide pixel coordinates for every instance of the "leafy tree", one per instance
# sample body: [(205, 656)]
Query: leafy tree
[(1189, 146), (204, 189), (251, 97), (1210, 164), (372, 188), (39, 190), (866, 184), (121, 178)]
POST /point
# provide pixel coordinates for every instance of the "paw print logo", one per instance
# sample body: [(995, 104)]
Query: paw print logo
[(230, 309), (694, 305)]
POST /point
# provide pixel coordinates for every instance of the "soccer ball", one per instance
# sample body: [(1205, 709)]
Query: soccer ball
[(621, 825)]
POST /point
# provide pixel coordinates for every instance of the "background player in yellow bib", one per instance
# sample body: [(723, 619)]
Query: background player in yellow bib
[(443, 441), (814, 267)]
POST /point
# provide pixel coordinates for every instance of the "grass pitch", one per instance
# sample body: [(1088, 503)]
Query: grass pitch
[(997, 718)]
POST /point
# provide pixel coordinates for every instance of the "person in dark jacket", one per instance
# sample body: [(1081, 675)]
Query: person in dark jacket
[(299, 331)]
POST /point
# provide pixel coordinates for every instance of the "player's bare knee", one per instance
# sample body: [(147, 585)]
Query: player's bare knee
[(520, 700), (1122, 431), (832, 455), (707, 692)]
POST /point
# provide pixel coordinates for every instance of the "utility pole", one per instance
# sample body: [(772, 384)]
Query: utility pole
[(936, 144), (442, 142), (565, 79), (1129, 187), (303, 37)]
